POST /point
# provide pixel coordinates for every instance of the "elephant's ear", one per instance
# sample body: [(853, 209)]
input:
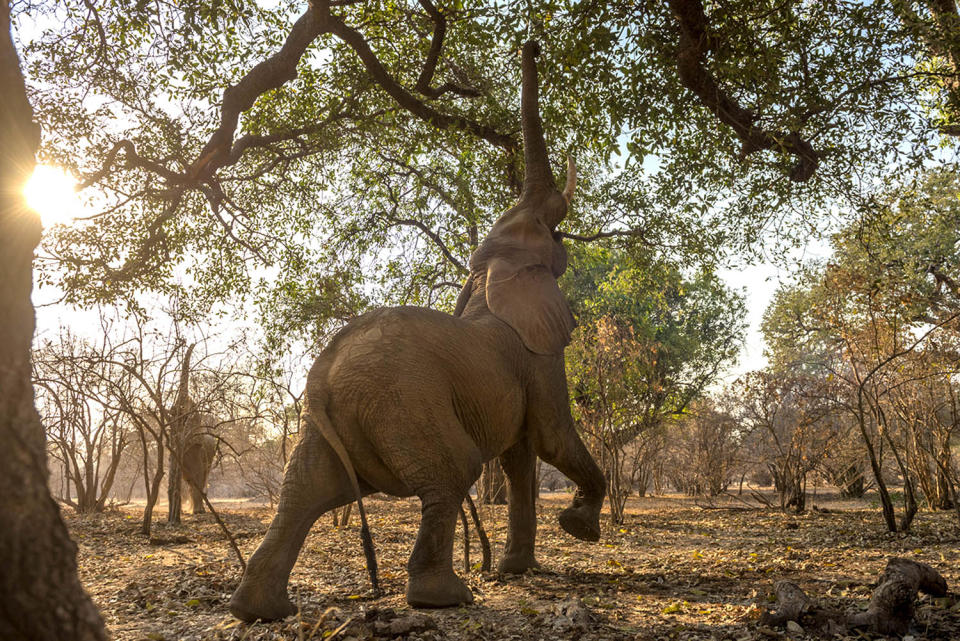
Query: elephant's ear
[(525, 295)]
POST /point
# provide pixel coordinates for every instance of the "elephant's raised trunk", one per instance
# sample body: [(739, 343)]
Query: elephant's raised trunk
[(183, 394), (538, 174)]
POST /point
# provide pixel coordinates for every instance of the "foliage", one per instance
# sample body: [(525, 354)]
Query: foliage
[(360, 166), (650, 341)]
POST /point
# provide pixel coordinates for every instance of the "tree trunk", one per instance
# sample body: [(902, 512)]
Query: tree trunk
[(886, 503), (492, 486), (150, 485), (153, 492), (851, 482), (174, 484), (944, 494), (40, 594)]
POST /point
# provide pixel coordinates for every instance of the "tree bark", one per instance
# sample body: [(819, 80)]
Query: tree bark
[(40, 594), (889, 612)]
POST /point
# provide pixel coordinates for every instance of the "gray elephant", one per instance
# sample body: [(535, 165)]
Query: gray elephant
[(193, 447), (417, 400), (197, 460)]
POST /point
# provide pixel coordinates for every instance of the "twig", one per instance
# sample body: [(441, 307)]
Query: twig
[(223, 526), (341, 628), (729, 508), (466, 540), (761, 498)]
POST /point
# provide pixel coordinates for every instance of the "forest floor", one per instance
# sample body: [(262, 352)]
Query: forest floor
[(674, 570)]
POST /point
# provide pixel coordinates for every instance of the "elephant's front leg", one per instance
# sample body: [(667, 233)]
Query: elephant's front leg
[(519, 464), (565, 451), (555, 440), (432, 582)]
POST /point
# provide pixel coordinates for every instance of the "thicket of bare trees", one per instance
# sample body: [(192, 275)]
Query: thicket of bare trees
[(109, 406)]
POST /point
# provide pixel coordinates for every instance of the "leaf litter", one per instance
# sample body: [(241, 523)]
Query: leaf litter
[(672, 571)]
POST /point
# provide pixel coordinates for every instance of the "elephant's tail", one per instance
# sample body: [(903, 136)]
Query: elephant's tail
[(318, 417)]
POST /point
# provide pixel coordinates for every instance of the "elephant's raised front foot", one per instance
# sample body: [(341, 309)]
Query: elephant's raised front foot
[(250, 604), (443, 590), (581, 521), (517, 563)]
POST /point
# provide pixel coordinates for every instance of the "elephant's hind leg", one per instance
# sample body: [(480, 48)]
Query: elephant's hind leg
[(440, 480), (432, 582), (519, 464), (196, 500), (314, 483)]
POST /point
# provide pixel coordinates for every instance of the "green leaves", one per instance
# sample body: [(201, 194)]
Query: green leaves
[(336, 172)]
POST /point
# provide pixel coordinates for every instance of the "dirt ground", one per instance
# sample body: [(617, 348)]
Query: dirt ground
[(674, 570)]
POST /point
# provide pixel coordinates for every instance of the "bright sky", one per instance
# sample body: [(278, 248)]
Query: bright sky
[(51, 192)]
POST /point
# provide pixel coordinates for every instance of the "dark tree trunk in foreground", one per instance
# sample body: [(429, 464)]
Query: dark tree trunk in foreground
[(40, 595)]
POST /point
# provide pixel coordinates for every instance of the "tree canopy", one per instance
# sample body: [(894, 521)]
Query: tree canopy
[(876, 329), (343, 152)]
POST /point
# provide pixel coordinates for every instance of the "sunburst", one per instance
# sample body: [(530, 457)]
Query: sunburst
[(51, 191)]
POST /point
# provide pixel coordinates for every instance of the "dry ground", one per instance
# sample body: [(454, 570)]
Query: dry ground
[(673, 571)]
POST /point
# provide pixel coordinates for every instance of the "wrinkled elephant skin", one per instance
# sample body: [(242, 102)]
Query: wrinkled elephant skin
[(419, 400)]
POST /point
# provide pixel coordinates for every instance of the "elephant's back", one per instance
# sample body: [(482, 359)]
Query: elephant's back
[(414, 350), (397, 378)]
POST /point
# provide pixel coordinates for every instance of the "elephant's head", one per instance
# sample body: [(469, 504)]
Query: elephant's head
[(517, 265)]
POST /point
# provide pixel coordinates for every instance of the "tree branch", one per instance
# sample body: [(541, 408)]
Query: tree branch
[(614, 233), (430, 65), (695, 42), (355, 40), (269, 74), (133, 159)]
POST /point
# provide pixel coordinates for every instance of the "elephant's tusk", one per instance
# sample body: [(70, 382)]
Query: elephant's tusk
[(571, 180)]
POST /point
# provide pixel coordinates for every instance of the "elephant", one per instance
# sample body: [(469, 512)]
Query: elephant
[(193, 447), (412, 401), (197, 460)]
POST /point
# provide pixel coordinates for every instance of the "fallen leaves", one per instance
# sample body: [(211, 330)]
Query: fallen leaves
[(671, 572)]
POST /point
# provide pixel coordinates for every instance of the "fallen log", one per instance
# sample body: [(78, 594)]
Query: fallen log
[(890, 612)]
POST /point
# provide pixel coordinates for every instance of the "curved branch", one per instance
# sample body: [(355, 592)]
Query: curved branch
[(133, 159), (430, 65), (355, 40), (695, 42), (615, 233), (269, 74), (435, 237)]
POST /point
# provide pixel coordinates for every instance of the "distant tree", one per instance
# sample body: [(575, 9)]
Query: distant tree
[(787, 427), (649, 343), (887, 294), (703, 448), (85, 433)]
